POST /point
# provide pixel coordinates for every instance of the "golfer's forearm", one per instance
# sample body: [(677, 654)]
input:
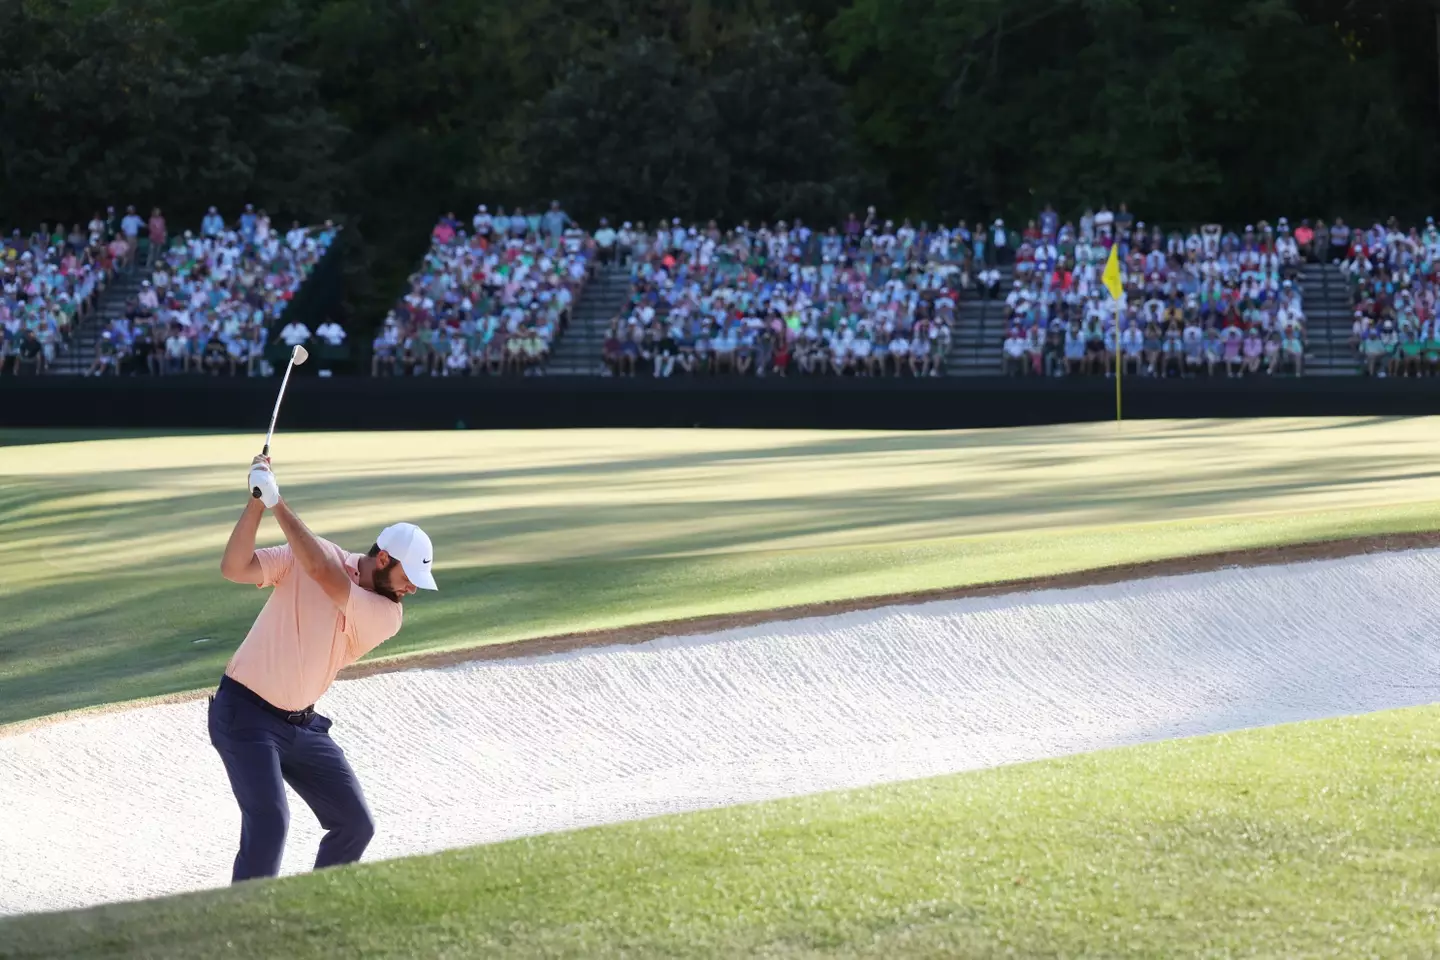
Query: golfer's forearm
[(240, 549), (309, 552)]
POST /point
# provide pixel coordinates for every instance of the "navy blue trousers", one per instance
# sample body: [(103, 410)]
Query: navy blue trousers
[(262, 753)]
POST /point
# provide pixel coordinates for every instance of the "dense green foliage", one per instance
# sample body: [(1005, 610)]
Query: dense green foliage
[(756, 130), (385, 114)]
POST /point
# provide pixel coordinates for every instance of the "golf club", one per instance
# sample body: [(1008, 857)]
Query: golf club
[(297, 355)]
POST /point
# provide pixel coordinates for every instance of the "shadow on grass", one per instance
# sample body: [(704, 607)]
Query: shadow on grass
[(135, 639), (1030, 493), (42, 436), (125, 629)]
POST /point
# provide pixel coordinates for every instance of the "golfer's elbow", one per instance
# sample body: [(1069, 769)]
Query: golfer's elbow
[(242, 570)]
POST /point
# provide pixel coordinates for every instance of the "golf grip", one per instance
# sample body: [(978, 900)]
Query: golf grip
[(264, 452)]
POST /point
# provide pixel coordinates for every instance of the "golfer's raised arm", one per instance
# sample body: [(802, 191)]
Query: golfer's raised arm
[(322, 566), (239, 563)]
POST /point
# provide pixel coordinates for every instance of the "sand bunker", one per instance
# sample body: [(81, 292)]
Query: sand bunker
[(135, 804)]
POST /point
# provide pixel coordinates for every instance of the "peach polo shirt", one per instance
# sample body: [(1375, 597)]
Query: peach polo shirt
[(301, 639)]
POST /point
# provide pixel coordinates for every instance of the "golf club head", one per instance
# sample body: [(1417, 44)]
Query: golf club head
[(299, 355)]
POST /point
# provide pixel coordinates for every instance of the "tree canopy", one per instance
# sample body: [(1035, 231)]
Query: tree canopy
[(643, 131), (384, 114)]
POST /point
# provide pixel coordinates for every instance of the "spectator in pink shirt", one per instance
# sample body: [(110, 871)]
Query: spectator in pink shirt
[(157, 230), (119, 251), (444, 230)]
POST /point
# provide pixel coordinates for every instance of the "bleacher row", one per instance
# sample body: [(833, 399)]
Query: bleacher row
[(873, 297), (152, 302), (490, 296), (522, 293)]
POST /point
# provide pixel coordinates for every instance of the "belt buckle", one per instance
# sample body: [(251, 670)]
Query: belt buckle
[(298, 717)]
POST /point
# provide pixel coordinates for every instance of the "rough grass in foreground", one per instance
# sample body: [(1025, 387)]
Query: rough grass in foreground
[(1307, 840)]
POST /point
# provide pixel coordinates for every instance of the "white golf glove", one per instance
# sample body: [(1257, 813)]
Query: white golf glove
[(263, 480)]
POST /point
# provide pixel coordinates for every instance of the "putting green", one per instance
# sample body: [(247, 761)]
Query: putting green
[(111, 546), (1306, 840)]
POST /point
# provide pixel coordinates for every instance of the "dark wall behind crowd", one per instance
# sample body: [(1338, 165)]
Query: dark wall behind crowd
[(313, 403)]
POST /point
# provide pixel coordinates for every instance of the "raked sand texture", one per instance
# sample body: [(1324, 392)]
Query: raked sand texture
[(135, 804)]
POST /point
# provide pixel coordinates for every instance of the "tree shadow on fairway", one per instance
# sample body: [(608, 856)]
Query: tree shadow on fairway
[(1032, 497), (104, 601), (45, 436), (136, 639)]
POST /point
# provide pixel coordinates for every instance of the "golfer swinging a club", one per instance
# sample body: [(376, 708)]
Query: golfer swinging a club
[(327, 608)]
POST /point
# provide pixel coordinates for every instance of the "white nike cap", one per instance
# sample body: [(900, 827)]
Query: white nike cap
[(409, 545)]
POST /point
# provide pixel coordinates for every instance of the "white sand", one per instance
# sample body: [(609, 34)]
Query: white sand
[(135, 804)]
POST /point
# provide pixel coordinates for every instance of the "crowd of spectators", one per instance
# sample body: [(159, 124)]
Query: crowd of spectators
[(490, 296), (867, 298), (211, 296), (1203, 302), (1391, 277), (50, 280), (870, 298)]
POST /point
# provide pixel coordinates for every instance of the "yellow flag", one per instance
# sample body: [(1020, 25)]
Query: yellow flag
[(1111, 276)]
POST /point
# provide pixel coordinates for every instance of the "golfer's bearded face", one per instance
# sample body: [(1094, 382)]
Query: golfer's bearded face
[(391, 582)]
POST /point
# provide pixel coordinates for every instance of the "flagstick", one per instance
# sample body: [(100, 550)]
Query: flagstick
[(1115, 286), (1119, 362)]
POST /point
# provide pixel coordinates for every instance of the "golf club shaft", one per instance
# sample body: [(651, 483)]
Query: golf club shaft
[(265, 451), (275, 414)]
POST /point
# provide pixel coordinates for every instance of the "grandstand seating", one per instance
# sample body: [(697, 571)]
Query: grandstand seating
[(49, 283), (205, 302), (1210, 302), (679, 299), (1392, 287), (876, 299), (492, 299)]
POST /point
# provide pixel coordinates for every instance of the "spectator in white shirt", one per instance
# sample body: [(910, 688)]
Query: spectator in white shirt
[(1000, 244), (1132, 341), (1015, 346), (295, 333), (149, 300), (899, 347), (1104, 221), (725, 346), (605, 241), (177, 349), (482, 221), (132, 223), (131, 227), (625, 242), (989, 282), (1287, 249), (331, 332), (457, 361)]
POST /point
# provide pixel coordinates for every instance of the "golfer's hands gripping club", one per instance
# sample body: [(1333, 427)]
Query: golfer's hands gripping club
[(262, 483)]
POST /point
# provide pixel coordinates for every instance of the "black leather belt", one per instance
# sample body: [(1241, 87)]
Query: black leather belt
[(296, 717)]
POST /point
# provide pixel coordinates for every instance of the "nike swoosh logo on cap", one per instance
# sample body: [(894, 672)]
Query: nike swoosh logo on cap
[(424, 561)]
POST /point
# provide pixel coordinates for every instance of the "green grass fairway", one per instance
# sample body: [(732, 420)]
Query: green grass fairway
[(111, 547), (1309, 840)]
